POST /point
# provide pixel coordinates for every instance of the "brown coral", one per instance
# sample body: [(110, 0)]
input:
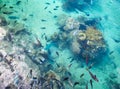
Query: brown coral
[(94, 37)]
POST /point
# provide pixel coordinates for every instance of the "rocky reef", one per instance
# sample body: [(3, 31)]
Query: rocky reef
[(82, 39)]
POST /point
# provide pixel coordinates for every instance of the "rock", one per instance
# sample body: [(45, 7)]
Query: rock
[(2, 33)]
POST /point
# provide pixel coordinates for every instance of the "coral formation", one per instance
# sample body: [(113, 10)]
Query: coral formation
[(71, 24), (85, 41), (75, 47), (81, 36)]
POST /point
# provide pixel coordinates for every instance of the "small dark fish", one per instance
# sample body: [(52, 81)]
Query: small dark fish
[(68, 73), (10, 37), (69, 65), (50, 12), (55, 9), (43, 28), (31, 15), (86, 86), (56, 6), (81, 75), (43, 20), (24, 19), (15, 21), (55, 16), (47, 3), (3, 6), (69, 57), (42, 35), (31, 71), (38, 41), (111, 52), (72, 60), (65, 79), (46, 38), (76, 83), (117, 41), (11, 7), (57, 53), (23, 32), (57, 64), (13, 17), (7, 12), (53, 1), (91, 83), (18, 2), (45, 7)]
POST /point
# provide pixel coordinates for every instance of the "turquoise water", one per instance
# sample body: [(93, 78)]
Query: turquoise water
[(59, 44)]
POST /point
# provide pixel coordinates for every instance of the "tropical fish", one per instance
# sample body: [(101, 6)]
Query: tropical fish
[(11, 7), (55, 9), (43, 20), (81, 75), (116, 40), (76, 83), (91, 83), (50, 12), (86, 86), (56, 6), (7, 12), (57, 53), (111, 52), (46, 7), (93, 76), (13, 17), (69, 65), (47, 3), (10, 37), (3, 6), (24, 19), (43, 28), (46, 38), (38, 41), (65, 79), (69, 57), (55, 16), (18, 2), (72, 60)]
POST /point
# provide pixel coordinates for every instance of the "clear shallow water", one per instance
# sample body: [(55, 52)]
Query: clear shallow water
[(41, 18)]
